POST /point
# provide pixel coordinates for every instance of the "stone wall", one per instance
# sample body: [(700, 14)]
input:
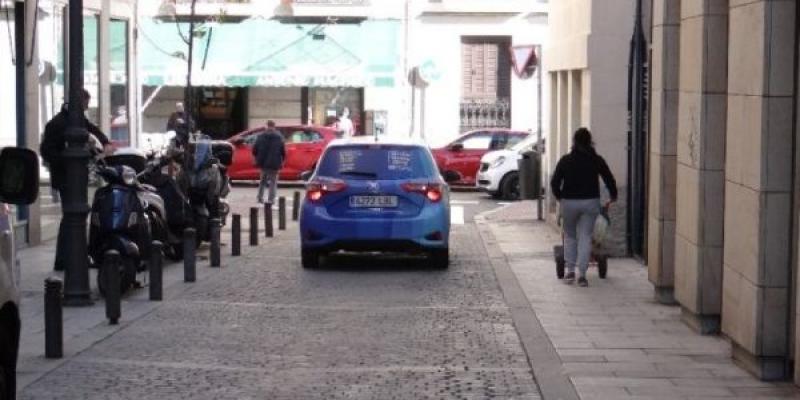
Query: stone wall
[(758, 186)]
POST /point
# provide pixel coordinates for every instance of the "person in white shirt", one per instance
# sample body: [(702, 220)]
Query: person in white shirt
[(345, 125)]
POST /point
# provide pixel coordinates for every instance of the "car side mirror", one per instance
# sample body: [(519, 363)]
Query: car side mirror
[(451, 176), (19, 176), (306, 175), (456, 147)]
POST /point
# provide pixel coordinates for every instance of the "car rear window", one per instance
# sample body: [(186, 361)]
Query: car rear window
[(384, 162)]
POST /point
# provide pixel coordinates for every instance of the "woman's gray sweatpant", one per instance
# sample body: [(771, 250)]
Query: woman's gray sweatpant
[(579, 218)]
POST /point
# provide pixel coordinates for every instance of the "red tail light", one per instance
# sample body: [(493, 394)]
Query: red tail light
[(317, 189), (432, 191)]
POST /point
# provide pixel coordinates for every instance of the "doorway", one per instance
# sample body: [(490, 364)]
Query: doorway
[(221, 111)]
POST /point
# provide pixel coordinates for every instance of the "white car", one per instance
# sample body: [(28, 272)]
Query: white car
[(19, 184), (498, 175)]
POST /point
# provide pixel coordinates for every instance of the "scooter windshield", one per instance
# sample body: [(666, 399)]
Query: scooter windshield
[(202, 152)]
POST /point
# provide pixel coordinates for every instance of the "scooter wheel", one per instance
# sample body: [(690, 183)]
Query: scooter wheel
[(127, 277), (174, 252)]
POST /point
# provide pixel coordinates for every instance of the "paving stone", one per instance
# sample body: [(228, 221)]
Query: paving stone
[(613, 335), (358, 328)]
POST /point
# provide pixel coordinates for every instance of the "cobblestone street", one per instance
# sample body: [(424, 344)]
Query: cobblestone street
[(359, 328)]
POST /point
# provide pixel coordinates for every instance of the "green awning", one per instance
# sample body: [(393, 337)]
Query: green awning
[(261, 52)]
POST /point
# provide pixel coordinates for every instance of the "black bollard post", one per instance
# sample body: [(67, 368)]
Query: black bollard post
[(282, 213), (53, 318), (156, 271), (111, 263), (189, 258), (216, 227), (268, 230), (236, 235), (253, 226), (296, 205)]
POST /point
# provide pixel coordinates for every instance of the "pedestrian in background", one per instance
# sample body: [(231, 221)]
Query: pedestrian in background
[(180, 119), (345, 124), (576, 185), (269, 152)]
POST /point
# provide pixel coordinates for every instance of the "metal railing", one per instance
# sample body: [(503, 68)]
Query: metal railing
[(494, 113)]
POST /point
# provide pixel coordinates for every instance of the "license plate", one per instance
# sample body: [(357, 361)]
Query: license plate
[(373, 201)]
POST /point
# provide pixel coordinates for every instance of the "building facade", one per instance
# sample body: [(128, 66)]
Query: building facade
[(252, 63), (327, 56), (723, 173), (465, 50), (587, 67)]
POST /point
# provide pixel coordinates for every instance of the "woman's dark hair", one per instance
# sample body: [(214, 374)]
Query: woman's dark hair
[(582, 140)]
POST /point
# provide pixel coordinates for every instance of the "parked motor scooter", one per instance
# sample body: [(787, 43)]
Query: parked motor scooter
[(125, 215), (176, 204), (203, 178)]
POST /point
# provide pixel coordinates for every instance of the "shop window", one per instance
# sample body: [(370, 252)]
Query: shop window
[(118, 74)]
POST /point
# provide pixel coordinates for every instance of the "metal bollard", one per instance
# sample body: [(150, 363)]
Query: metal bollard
[(156, 271), (189, 257), (111, 263), (216, 227), (282, 213), (296, 205), (236, 235), (53, 318), (253, 226), (268, 230)]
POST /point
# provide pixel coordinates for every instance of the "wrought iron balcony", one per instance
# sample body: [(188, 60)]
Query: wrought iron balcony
[(489, 113)]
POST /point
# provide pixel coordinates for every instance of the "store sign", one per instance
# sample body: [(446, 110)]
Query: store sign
[(334, 2)]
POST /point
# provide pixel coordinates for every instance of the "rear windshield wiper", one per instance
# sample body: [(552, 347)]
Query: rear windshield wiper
[(365, 174)]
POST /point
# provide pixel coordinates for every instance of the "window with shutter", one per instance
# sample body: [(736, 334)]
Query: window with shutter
[(486, 82)]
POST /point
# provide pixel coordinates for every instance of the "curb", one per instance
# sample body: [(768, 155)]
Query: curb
[(548, 370)]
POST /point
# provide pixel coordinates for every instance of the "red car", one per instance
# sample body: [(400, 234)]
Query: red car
[(463, 155), (304, 145)]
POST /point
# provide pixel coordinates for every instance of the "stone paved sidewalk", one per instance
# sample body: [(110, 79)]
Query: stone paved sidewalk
[(613, 339)]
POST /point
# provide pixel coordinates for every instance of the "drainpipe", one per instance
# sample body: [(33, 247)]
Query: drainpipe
[(19, 66), (795, 226), (539, 132), (636, 141)]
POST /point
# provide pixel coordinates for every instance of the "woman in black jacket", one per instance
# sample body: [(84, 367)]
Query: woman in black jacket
[(575, 184)]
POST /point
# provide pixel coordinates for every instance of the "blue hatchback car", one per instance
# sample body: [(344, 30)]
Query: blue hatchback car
[(376, 195)]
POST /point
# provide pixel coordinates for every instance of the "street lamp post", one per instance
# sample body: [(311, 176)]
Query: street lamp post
[(76, 157)]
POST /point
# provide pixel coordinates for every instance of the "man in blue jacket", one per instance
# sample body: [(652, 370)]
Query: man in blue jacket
[(269, 153)]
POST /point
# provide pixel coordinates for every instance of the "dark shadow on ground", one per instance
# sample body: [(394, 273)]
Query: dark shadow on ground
[(375, 262)]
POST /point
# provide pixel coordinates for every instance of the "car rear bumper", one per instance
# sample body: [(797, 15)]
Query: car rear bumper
[(321, 231)]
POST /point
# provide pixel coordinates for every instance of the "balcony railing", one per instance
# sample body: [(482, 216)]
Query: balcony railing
[(477, 114)]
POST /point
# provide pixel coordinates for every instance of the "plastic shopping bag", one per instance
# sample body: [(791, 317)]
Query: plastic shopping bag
[(600, 228)]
